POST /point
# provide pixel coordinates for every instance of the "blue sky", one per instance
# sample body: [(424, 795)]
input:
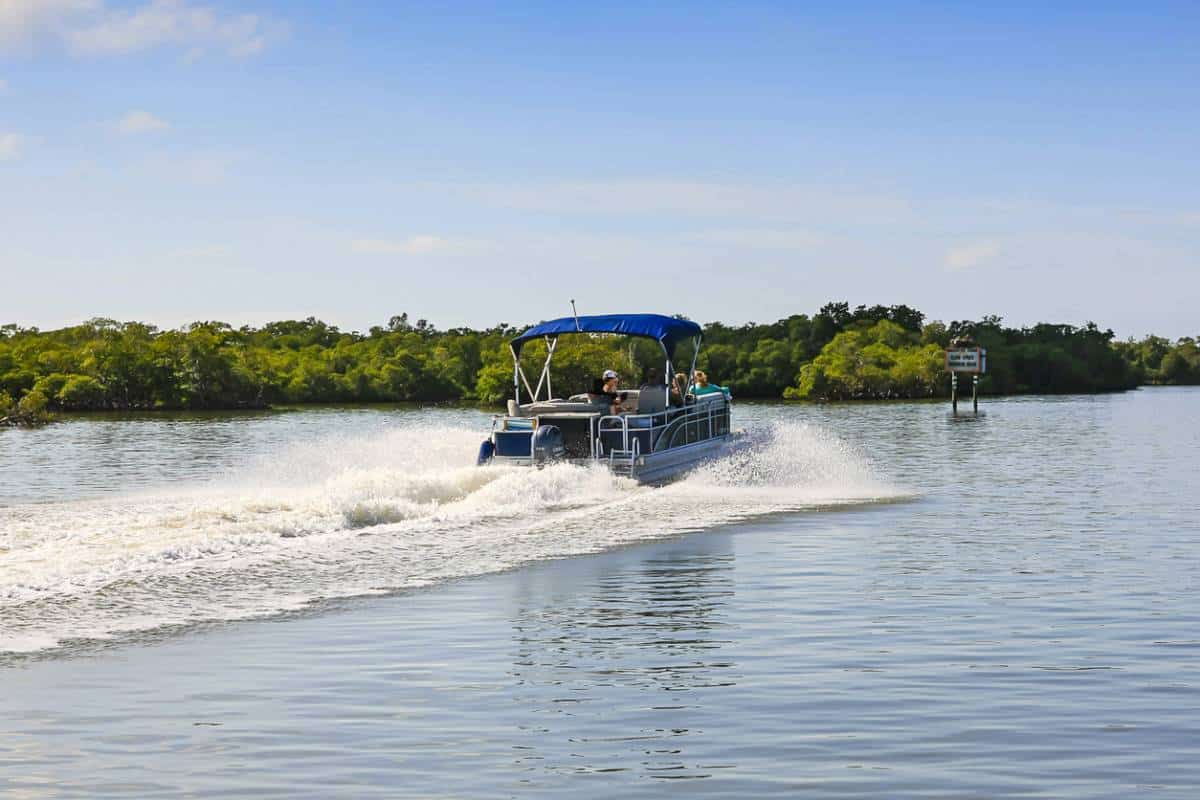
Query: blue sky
[(170, 160)]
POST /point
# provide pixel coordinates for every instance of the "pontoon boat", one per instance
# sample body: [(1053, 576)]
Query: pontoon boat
[(654, 437)]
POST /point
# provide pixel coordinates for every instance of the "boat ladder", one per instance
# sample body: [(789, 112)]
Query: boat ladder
[(622, 462)]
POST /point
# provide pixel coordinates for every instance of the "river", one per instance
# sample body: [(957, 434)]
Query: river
[(861, 600)]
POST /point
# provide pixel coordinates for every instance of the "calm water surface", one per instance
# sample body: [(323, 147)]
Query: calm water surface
[(863, 601)]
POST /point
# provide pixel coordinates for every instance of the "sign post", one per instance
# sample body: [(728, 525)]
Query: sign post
[(964, 356)]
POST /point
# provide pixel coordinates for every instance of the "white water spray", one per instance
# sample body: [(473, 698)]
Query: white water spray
[(345, 517)]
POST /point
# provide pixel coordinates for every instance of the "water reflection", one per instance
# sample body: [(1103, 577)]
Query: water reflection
[(616, 675)]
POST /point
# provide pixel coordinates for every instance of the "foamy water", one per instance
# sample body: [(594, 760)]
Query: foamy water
[(343, 516)]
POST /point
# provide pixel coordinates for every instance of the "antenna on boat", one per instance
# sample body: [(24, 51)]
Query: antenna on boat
[(575, 314)]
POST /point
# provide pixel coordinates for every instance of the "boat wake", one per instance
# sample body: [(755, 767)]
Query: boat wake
[(348, 517)]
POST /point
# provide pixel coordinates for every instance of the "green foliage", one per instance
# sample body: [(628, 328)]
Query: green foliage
[(1048, 358), (33, 404), (868, 361), (104, 364), (888, 360), (839, 352), (30, 410), (1161, 362), (80, 391), (764, 360)]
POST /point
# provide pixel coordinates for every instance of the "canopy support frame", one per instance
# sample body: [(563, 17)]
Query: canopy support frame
[(551, 343), (695, 354), (520, 378)]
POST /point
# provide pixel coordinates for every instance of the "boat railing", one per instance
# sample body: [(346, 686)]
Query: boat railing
[(674, 427)]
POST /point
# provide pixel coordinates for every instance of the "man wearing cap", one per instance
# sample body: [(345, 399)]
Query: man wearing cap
[(609, 389)]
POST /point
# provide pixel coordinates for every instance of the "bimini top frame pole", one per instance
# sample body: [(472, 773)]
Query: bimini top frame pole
[(551, 343), (518, 376), (695, 354), (543, 377)]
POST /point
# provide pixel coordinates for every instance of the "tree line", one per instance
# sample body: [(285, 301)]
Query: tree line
[(838, 353)]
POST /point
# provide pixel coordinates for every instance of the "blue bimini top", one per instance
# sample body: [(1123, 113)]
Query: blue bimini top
[(668, 330)]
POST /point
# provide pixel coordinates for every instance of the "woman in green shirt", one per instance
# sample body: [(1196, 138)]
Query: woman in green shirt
[(703, 387)]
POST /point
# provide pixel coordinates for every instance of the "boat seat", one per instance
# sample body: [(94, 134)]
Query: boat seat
[(651, 400), (563, 407), (711, 397)]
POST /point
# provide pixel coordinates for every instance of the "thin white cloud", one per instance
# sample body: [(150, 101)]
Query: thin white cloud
[(22, 21), (201, 168), (412, 246), (141, 122), (203, 252), (970, 255), (10, 146), (761, 239), (93, 28), (765, 201)]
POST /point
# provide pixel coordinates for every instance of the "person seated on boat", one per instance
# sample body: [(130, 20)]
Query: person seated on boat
[(678, 389), (595, 394), (652, 396), (609, 390), (703, 387)]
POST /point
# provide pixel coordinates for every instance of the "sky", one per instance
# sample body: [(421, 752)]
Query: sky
[(170, 161)]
